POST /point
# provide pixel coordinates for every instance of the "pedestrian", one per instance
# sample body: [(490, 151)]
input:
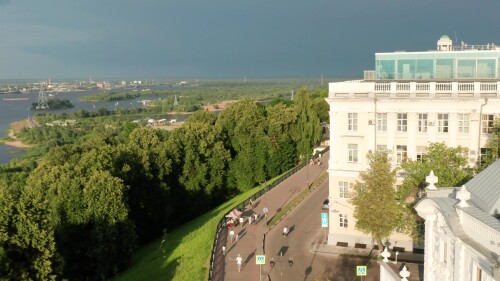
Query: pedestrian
[(231, 235), (237, 237), (249, 220), (224, 250), (239, 260), (251, 203), (285, 231), (255, 217), (242, 221)]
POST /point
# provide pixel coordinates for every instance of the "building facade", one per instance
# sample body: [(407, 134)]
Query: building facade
[(462, 229), (411, 99)]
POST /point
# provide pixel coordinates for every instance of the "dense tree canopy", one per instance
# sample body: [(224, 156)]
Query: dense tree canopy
[(83, 203), (307, 130)]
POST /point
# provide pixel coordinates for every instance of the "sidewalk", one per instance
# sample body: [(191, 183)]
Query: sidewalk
[(250, 242)]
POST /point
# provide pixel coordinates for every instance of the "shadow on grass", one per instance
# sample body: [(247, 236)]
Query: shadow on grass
[(185, 252)]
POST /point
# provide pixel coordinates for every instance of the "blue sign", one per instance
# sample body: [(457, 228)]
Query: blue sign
[(260, 259), (324, 219), (361, 270), (265, 210)]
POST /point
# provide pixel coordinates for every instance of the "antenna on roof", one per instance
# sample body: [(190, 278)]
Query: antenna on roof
[(456, 37)]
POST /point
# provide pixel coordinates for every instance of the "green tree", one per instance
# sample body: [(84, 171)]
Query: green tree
[(491, 150), (376, 209), (203, 158), (448, 163), (282, 154), (243, 123), (320, 105), (307, 129)]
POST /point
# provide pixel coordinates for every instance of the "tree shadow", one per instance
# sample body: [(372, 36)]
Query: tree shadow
[(282, 251), (248, 259), (344, 268)]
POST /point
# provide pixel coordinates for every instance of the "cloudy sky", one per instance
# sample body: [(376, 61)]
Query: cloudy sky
[(226, 38)]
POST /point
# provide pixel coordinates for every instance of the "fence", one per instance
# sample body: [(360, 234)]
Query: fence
[(241, 206)]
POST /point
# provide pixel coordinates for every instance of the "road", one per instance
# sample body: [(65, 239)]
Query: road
[(304, 223)]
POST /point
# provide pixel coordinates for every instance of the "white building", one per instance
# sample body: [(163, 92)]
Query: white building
[(411, 99), (462, 230)]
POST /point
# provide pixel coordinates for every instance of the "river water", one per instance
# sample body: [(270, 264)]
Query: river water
[(13, 110)]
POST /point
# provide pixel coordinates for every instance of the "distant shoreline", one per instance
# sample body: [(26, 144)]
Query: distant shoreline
[(16, 126)]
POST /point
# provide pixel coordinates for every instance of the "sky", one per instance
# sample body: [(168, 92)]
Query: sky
[(226, 38)]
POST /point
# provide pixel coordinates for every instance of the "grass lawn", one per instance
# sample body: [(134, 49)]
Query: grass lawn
[(184, 254)]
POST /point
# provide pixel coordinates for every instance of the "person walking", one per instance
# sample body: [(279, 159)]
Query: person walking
[(231, 235), (255, 217), (285, 231), (251, 204), (249, 220), (224, 250), (242, 221), (239, 260), (237, 238)]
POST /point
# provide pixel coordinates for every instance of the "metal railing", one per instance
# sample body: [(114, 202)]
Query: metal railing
[(241, 206)]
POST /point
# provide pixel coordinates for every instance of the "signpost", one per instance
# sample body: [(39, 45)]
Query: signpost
[(265, 211), (361, 271), (324, 223), (324, 219), (260, 260)]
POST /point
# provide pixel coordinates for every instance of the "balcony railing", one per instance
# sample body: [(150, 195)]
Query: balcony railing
[(360, 88)]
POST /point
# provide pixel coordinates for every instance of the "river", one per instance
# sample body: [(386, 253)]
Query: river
[(13, 110)]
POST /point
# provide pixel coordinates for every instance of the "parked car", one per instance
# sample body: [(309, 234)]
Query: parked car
[(326, 204)]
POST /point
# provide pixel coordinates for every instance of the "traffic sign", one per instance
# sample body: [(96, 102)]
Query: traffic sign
[(361, 270), (265, 210), (260, 259), (324, 219)]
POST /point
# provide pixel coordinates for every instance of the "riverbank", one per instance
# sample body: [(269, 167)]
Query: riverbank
[(16, 126), (13, 130)]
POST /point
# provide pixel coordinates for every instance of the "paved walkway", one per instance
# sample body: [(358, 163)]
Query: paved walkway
[(250, 236)]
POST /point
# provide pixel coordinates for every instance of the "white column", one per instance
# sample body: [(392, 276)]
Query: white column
[(412, 134), (452, 129), (432, 130), (429, 265), (460, 267)]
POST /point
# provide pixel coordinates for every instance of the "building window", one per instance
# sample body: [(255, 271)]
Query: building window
[(421, 152), (382, 148), (479, 274), (402, 125), (382, 122), (343, 221), (487, 123), (463, 123), (352, 124), (422, 122), (401, 153), (443, 123), (344, 189), (486, 153), (353, 152)]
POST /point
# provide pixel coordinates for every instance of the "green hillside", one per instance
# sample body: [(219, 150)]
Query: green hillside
[(183, 254)]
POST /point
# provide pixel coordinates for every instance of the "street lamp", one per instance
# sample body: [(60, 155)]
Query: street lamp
[(397, 254)]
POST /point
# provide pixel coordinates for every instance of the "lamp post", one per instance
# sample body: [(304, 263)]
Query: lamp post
[(397, 254)]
